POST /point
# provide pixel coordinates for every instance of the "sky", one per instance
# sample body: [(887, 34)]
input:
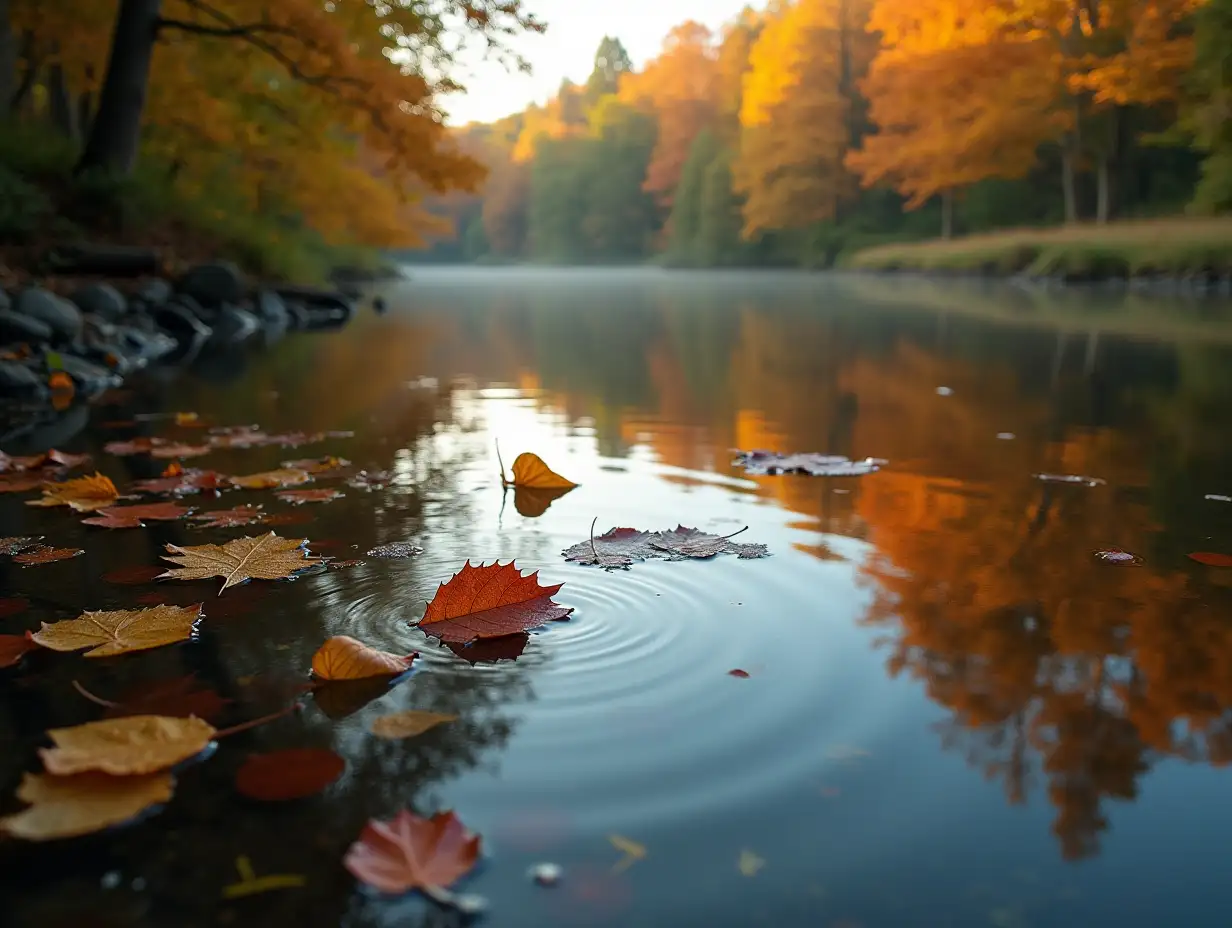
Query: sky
[(567, 49)]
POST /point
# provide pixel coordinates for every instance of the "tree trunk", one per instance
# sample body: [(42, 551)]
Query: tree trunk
[(85, 110), (8, 58), (947, 214), (21, 93), (1068, 189), (63, 113), (1102, 190), (116, 131)]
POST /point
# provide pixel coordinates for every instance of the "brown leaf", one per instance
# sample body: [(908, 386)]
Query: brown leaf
[(174, 469), (139, 445), (45, 554), (291, 774), (408, 724), (187, 481), (1211, 558), (271, 479), (21, 483), (14, 647), (317, 465), (108, 633), (179, 450), (47, 460), (66, 807), (488, 602), (180, 698), (344, 658), (299, 497), (136, 516), (267, 557), (125, 747), (85, 494), (18, 543), (65, 459), (410, 852), (530, 471), (235, 517)]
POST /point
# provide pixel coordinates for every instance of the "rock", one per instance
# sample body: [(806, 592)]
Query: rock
[(271, 308), (234, 326), (326, 309), (297, 315), (212, 285), (90, 379), (60, 315), (146, 346), (182, 324), (17, 328), (154, 292), (18, 380), (103, 300)]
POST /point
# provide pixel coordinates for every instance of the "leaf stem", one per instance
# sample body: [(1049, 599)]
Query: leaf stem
[(253, 723), (501, 463), (734, 534), (105, 703), (594, 552)]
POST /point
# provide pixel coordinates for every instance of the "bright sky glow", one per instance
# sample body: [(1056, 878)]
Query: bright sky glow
[(567, 49)]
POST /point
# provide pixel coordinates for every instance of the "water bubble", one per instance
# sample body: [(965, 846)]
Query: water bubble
[(546, 874)]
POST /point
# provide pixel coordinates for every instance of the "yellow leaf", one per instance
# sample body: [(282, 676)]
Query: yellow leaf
[(749, 863), (631, 849), (65, 807), (85, 494), (125, 747), (530, 471), (408, 724), (268, 557), (108, 633), (272, 479), (344, 658)]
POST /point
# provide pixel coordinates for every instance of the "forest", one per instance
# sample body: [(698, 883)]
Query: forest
[(282, 134), (813, 127)]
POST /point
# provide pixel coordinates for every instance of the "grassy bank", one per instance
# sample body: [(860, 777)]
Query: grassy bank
[(42, 204), (1160, 247)]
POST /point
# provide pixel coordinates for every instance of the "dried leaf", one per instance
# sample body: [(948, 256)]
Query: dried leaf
[(21, 483), (620, 547), (410, 852), (1211, 558), (344, 658), (125, 747), (180, 698), (530, 471), (44, 554), (180, 450), (291, 774), (408, 724), (396, 549), (317, 465), (812, 464), (108, 633), (17, 543), (231, 518), (139, 445), (136, 516), (267, 557), (187, 481), (488, 602), (299, 497), (66, 807), (85, 494), (14, 647), (271, 479), (52, 459)]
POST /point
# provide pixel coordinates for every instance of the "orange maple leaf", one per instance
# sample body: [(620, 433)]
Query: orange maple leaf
[(490, 602)]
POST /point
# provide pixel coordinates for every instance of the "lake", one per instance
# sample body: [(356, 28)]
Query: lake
[(955, 712)]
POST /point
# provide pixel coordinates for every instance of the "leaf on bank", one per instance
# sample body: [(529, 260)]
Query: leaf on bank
[(14, 647), (489, 602), (271, 479), (410, 852), (530, 471), (267, 557), (408, 724), (45, 554), (299, 497), (85, 494), (136, 516), (70, 806), (108, 633), (128, 746), (344, 658), (291, 774)]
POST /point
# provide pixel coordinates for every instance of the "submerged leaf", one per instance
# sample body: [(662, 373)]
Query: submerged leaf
[(14, 647), (69, 806), (124, 747), (45, 554), (140, 573), (178, 698), (267, 557), (136, 516), (408, 724), (108, 633), (85, 494), (812, 464), (291, 774), (271, 479), (344, 658), (489, 602), (530, 471), (410, 852)]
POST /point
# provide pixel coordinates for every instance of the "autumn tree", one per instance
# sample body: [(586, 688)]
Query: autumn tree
[(1208, 111), (612, 64)]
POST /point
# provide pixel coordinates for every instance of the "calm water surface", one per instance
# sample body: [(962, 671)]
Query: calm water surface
[(954, 715)]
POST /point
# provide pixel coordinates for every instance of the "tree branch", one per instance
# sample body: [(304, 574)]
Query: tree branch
[(228, 32)]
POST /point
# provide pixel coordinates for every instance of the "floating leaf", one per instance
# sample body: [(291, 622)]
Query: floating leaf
[(396, 549), (530, 471), (136, 516), (49, 460), (371, 480), (180, 450), (69, 806), (317, 465), (410, 852), (125, 747), (267, 557), (178, 698), (139, 445), (742, 674), (230, 518), (108, 633), (21, 483), (344, 658), (1116, 556), (299, 497), (291, 774), (812, 464), (187, 481), (271, 479), (620, 547), (14, 647), (488, 602), (44, 554), (408, 724), (137, 574), (85, 494), (17, 544), (1211, 558)]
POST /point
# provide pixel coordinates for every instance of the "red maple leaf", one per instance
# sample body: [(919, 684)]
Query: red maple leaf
[(412, 852), (136, 516), (488, 602)]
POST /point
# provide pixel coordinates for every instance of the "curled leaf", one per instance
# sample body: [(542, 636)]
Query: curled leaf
[(108, 633), (488, 602), (85, 494), (344, 658), (410, 852), (408, 724), (69, 806), (531, 472), (125, 747), (291, 774)]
